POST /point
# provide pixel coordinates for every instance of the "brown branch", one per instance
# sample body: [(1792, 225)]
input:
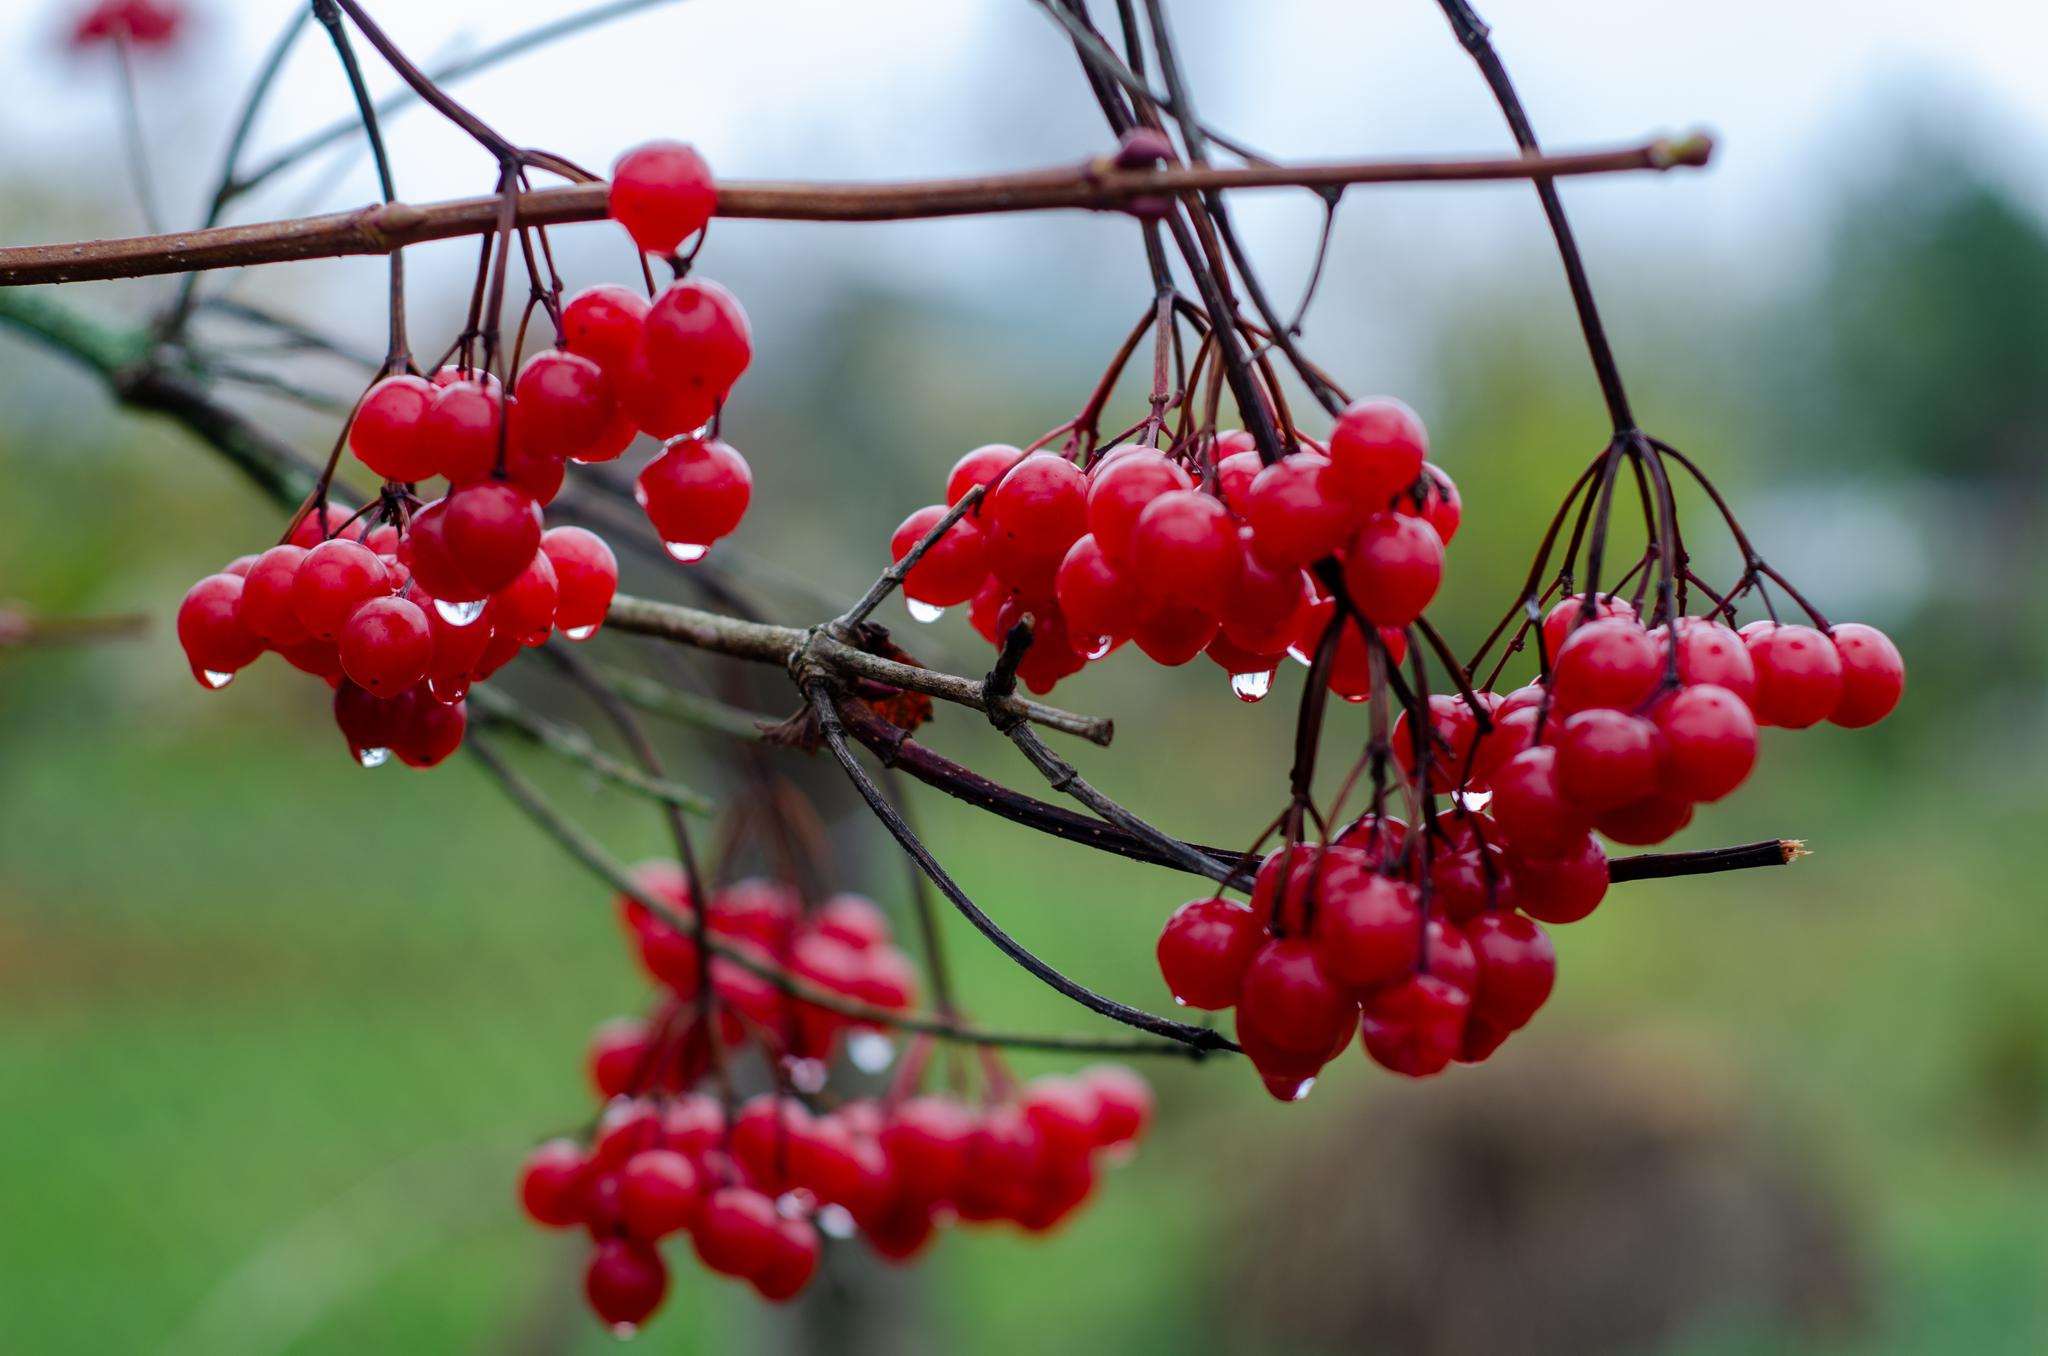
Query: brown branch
[(1095, 185)]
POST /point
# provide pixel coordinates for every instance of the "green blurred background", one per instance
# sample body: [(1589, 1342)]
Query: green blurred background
[(275, 1032)]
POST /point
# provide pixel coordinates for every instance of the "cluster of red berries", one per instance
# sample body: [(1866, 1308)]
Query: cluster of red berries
[(1197, 550), (756, 1187), (402, 617), (1426, 942)]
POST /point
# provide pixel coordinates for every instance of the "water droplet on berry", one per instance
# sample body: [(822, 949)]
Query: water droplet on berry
[(870, 1051), (835, 1221), (805, 1075), (625, 1332), (581, 632), (1302, 1089), (373, 757), (1251, 687), (459, 614), (1475, 801), (215, 679), (923, 612), (687, 552), (1102, 646)]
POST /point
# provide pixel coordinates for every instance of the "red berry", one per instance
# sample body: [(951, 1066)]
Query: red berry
[(1035, 514), (1449, 743), (1234, 476), (662, 194), (492, 530), (587, 574), (1264, 609), (1710, 742), (1562, 887), (694, 493), (983, 466), (1517, 967), (216, 641), (1205, 949), (604, 324), (1605, 663), (697, 343), (1172, 635), (791, 1265), (1123, 1103), (266, 603), (1291, 1001), (332, 581), (952, 570), (145, 23), (1535, 814), (625, 1282), (1063, 1112), (1649, 820), (1351, 669), (926, 1140), (659, 1193), (1377, 447), (461, 429), (620, 1057), (1440, 506), (1393, 567), (1607, 758), (1185, 550), (1100, 603), (1798, 674), (1570, 613), (386, 645), (372, 725), (1416, 1027), (1297, 516), (1121, 489), (525, 608), (425, 551), (388, 434), (551, 1184), (1873, 675), (433, 729), (1513, 730), (564, 403), (1368, 927), (1710, 652)]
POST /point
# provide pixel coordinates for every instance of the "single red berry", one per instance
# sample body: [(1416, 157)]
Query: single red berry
[(1123, 1103), (620, 1056), (695, 492), (1377, 447), (491, 529), (1439, 504), (425, 551), (1033, 516), (1234, 476), (1605, 663), (386, 645), (1562, 887), (1650, 820), (266, 604), (1185, 550), (625, 1282), (1873, 675), (604, 324), (926, 1140), (698, 342), (551, 1184), (952, 570), (564, 403), (1205, 949), (1172, 635), (791, 1264), (983, 466), (1368, 927), (1351, 667), (587, 576), (1393, 567), (1063, 1111), (1528, 801), (1100, 603), (1517, 967), (1607, 758), (1297, 516), (662, 194), (1710, 742), (1798, 674), (1417, 1027), (1711, 652), (433, 729), (372, 725), (332, 581), (461, 429), (525, 608), (1452, 730), (1291, 1001), (1119, 491), (659, 1193), (216, 641), (389, 432), (1264, 609)]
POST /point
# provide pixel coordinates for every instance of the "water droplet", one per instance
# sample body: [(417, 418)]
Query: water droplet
[(1300, 656), (921, 611), (581, 632), (805, 1075), (1251, 687), (1179, 1002), (215, 679), (795, 1204), (1102, 646), (1475, 801), (1357, 698), (1306, 1086), (373, 757), (870, 1051), (835, 1221), (459, 614), (687, 552), (625, 1332)]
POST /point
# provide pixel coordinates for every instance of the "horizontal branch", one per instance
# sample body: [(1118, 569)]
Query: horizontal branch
[(766, 643), (1094, 185), (1705, 861)]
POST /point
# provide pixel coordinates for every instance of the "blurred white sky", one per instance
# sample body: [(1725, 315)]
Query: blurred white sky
[(1797, 93)]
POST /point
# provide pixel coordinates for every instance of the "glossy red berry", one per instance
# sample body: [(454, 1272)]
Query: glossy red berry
[(659, 1193), (216, 641), (1711, 652), (1368, 927), (266, 602), (926, 1140), (1264, 610), (1416, 1027), (1185, 550), (1123, 1103), (390, 433), (332, 581), (1297, 515), (425, 551), (1377, 447), (587, 576), (1560, 887), (386, 645), (662, 193), (491, 529), (952, 570), (1205, 949), (1453, 728), (1873, 675), (1517, 968), (1034, 515), (1607, 758), (525, 608), (372, 725), (1605, 663), (1100, 603), (564, 403), (695, 492), (1650, 820), (1172, 635), (791, 1264), (983, 466), (1798, 674), (432, 729), (1710, 742), (604, 324), (1289, 1000), (551, 1184), (1439, 506), (1393, 567), (1120, 490), (625, 1282), (696, 343), (1529, 802), (461, 429)]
